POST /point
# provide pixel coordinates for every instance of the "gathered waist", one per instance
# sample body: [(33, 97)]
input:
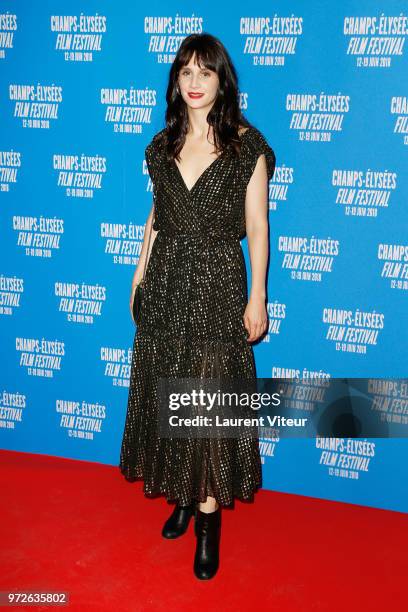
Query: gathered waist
[(204, 233)]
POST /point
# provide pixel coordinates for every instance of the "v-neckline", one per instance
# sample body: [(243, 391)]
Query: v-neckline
[(189, 191)]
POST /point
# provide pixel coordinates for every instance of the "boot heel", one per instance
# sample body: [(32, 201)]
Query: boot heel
[(208, 531)]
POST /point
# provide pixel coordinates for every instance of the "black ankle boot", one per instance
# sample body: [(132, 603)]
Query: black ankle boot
[(178, 521), (208, 531)]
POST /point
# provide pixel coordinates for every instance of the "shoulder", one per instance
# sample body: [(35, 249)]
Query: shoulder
[(153, 154), (254, 144), (255, 140), (157, 141)]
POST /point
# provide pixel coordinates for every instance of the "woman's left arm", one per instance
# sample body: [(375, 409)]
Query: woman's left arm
[(256, 221)]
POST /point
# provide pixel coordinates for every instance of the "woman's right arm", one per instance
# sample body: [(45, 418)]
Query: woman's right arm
[(138, 274)]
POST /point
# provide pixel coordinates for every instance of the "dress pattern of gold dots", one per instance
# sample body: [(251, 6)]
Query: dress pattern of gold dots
[(192, 325)]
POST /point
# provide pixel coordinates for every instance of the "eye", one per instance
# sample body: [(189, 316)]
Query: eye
[(204, 73)]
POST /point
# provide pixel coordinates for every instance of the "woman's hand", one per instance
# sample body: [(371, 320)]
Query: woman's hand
[(135, 282), (255, 318)]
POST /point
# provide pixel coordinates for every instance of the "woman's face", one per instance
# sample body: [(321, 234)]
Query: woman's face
[(199, 81)]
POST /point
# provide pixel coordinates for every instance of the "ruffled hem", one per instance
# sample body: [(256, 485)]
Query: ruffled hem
[(183, 500)]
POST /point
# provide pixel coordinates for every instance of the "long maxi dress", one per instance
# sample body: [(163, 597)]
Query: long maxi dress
[(192, 325)]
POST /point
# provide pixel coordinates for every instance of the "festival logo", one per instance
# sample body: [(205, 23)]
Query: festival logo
[(389, 399), (294, 373), (307, 395), (345, 457), (78, 37), (128, 110), (10, 162), (123, 241), (117, 363), (80, 419), (8, 26), (166, 33), (36, 105), (395, 264), (317, 117), (11, 289), (352, 331), (79, 175), (363, 193), (12, 409), (40, 357), (375, 41), (81, 302), (268, 40), (399, 107), (38, 236), (308, 258)]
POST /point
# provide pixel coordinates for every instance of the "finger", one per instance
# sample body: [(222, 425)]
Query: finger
[(257, 330), (251, 332), (261, 328)]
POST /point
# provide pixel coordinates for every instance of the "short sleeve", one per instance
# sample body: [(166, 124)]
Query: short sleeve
[(152, 156), (150, 162), (254, 144), (153, 153)]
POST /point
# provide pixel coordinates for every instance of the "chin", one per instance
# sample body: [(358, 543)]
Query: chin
[(202, 102)]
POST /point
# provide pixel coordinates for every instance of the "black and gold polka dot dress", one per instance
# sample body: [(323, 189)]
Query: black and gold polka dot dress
[(192, 325)]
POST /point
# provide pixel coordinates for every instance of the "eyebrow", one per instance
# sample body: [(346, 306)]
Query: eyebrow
[(188, 68)]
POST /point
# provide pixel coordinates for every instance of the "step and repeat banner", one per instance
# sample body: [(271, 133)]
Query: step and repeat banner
[(82, 93)]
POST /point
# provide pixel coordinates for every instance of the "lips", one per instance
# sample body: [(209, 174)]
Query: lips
[(195, 95)]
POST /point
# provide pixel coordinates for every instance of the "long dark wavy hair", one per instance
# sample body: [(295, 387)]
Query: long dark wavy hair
[(225, 115)]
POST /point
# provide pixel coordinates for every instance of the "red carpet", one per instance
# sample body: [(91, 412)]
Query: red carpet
[(81, 528)]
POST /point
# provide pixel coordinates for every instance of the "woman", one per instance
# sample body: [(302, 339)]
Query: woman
[(210, 170)]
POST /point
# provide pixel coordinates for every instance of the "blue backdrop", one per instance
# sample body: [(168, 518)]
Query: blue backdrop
[(82, 93)]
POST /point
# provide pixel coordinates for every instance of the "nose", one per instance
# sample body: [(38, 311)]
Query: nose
[(194, 80)]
